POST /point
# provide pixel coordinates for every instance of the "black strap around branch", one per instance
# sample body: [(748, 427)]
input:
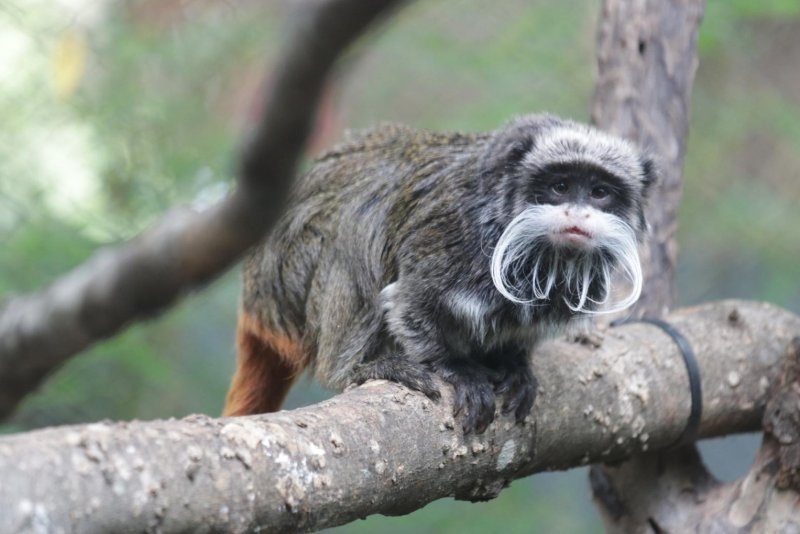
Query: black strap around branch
[(695, 384)]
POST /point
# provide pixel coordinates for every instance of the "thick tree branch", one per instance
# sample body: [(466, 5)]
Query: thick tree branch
[(143, 277), (675, 493), (383, 449)]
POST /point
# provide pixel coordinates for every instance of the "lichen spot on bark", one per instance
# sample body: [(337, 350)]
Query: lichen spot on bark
[(506, 455)]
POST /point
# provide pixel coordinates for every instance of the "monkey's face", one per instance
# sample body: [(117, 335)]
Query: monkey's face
[(574, 199), (576, 230), (586, 201)]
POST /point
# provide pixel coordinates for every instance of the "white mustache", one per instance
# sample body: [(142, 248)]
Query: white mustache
[(614, 250)]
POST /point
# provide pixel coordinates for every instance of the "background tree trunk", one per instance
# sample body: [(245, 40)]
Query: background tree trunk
[(647, 59)]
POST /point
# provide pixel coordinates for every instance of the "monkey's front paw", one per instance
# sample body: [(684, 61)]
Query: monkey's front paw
[(518, 387), (474, 394), (396, 368)]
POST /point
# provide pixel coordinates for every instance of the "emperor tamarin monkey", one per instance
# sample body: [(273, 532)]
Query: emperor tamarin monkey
[(405, 254)]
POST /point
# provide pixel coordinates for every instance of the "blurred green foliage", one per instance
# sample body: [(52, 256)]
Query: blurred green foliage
[(113, 112)]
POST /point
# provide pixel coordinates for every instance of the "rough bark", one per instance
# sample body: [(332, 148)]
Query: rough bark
[(383, 449), (139, 279), (647, 58)]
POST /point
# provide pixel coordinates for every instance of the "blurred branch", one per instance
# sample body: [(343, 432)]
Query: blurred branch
[(185, 250), (381, 448)]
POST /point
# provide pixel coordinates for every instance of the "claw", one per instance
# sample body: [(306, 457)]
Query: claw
[(519, 391), (474, 398)]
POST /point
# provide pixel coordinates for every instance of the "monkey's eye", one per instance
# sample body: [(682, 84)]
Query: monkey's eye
[(560, 187), (600, 192)]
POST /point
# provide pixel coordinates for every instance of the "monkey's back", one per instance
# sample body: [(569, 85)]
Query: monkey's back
[(321, 269)]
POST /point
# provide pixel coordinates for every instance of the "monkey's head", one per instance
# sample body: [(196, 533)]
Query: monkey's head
[(572, 202)]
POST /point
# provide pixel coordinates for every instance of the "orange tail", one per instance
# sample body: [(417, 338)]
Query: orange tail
[(267, 366)]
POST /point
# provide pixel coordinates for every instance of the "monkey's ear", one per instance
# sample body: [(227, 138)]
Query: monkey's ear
[(514, 153), (511, 143), (649, 174)]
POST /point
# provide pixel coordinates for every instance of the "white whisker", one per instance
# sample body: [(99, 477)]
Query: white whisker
[(526, 240)]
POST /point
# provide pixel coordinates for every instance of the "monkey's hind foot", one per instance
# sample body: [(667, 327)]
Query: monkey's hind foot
[(518, 387), (395, 368)]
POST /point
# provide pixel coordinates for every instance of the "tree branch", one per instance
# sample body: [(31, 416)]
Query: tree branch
[(143, 277), (383, 449), (675, 493)]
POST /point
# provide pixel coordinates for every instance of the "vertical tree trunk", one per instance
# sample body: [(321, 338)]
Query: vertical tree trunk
[(647, 57)]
